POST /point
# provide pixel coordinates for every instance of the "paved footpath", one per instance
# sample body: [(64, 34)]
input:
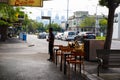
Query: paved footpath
[(18, 62)]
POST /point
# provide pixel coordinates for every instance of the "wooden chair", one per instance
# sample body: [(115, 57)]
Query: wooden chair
[(64, 50), (77, 60)]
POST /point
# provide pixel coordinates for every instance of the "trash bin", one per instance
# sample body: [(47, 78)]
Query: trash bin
[(24, 37)]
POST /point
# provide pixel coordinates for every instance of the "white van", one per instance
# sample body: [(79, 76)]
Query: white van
[(69, 35)]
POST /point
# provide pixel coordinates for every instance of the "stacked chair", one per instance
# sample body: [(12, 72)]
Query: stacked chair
[(74, 57)]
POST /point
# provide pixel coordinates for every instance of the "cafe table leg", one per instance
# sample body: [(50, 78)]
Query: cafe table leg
[(56, 56), (65, 63), (61, 63)]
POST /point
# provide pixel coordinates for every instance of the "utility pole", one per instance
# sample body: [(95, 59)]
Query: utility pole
[(96, 23), (67, 14)]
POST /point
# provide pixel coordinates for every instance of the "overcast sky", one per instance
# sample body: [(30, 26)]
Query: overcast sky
[(60, 7)]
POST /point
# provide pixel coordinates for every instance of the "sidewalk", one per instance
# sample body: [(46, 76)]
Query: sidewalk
[(17, 64), (105, 74)]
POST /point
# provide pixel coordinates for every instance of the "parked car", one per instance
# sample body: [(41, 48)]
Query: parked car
[(47, 34), (42, 35), (69, 35), (85, 35), (58, 35)]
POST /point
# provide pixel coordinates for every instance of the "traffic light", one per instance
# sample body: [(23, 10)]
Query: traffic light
[(67, 25)]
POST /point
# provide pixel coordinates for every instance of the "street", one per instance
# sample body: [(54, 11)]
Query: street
[(35, 45), (41, 45)]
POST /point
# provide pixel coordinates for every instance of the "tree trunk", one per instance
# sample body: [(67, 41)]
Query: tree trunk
[(3, 32), (108, 40)]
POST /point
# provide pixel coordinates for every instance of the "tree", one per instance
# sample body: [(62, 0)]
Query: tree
[(103, 24), (7, 16), (25, 23), (112, 5), (88, 22), (56, 27), (40, 27)]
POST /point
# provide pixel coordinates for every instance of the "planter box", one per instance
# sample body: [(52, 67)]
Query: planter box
[(90, 46)]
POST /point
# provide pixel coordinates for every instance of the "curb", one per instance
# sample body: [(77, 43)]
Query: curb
[(89, 76)]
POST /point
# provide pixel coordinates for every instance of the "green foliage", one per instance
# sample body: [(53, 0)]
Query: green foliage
[(108, 2), (88, 22), (33, 26), (3, 23), (103, 2), (40, 27), (56, 27), (103, 24), (100, 38), (7, 13)]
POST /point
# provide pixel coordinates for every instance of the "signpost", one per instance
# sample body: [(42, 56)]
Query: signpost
[(47, 17)]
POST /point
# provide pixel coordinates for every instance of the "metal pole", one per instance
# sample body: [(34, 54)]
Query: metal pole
[(50, 21), (67, 13), (96, 24), (67, 9)]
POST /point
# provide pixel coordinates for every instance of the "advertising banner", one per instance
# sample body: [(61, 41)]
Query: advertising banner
[(33, 3)]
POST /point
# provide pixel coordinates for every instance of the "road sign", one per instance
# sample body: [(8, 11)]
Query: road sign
[(46, 17)]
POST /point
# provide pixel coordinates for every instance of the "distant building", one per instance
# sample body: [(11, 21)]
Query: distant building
[(57, 20), (62, 18), (74, 21), (49, 13), (38, 19), (42, 13), (116, 26), (63, 25)]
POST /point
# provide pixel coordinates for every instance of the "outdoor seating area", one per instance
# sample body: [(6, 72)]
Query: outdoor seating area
[(70, 58)]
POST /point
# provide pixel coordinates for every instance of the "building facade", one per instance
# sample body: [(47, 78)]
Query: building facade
[(116, 26), (75, 20)]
